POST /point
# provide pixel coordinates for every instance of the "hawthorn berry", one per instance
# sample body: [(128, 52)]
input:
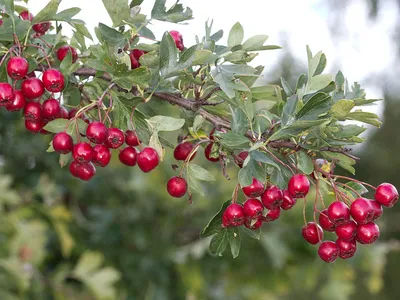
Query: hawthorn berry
[(73, 168), (147, 159), (63, 112), (6, 94), (272, 197), (63, 143), (312, 233), (51, 109), (177, 187), (347, 249), (287, 200), (346, 231), (41, 28), (33, 111), (233, 215), (386, 194), (128, 156), (34, 126), (272, 215), (53, 80), (86, 171), (255, 189), (367, 233), (134, 62), (253, 208), (362, 211), (253, 223), (26, 15), (138, 53), (207, 153), (183, 150), (32, 88), (338, 212), (17, 67), (378, 209), (241, 157), (325, 222), (96, 132), (62, 52), (298, 186), (178, 39), (115, 138), (328, 251), (18, 103), (82, 152), (101, 155), (131, 138)]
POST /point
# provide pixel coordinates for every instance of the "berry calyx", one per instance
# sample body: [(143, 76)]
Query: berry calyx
[(272, 197), (386, 194), (62, 52), (253, 224), (62, 143), (53, 80), (101, 155), (18, 103), (131, 138), (147, 159), (33, 111), (178, 39), (177, 187), (128, 156), (115, 138), (367, 233), (207, 153), (233, 215), (6, 94), (312, 233), (298, 186), (338, 212), (96, 132), (255, 189), (183, 150), (86, 171), (51, 109), (362, 211), (287, 200), (325, 222), (347, 249), (253, 208), (32, 88), (272, 215), (346, 231), (82, 152), (17, 67), (328, 251)]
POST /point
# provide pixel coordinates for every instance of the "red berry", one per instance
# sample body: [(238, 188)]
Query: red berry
[(298, 186), (51, 109), (32, 88), (312, 233), (17, 67), (233, 215), (325, 222), (128, 156), (288, 201), (347, 249), (207, 153), (73, 168), (17, 103), (82, 152), (6, 94), (86, 171), (134, 61), (63, 51), (338, 213), (367, 233), (328, 251), (272, 215), (34, 126), (53, 80), (255, 189), (41, 28), (115, 138), (183, 150), (101, 155), (362, 211), (177, 187), (72, 113), (137, 53), (256, 223), (147, 159), (62, 142), (272, 197), (346, 231), (96, 132), (378, 209), (178, 39), (25, 15), (253, 208), (63, 112), (241, 157), (131, 138), (33, 111), (386, 194)]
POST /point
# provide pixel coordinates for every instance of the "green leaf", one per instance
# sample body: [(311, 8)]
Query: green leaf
[(318, 103), (66, 64), (164, 123), (57, 125), (255, 43), (72, 95), (109, 35), (48, 12), (267, 92), (139, 76), (234, 241), (342, 108), (198, 123), (239, 123), (7, 29), (118, 10), (214, 225), (219, 242), (168, 54), (365, 117), (263, 105), (8, 7), (319, 82), (245, 177), (177, 13), (204, 56), (235, 35), (187, 58), (289, 110), (263, 158), (255, 234), (358, 187), (304, 162), (233, 140), (64, 159), (342, 160), (200, 173), (155, 143)]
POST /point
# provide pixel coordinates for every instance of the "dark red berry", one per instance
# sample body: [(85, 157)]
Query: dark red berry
[(386, 194), (253, 208), (51, 109), (62, 142), (115, 138), (272, 215), (6, 94), (288, 201), (298, 186), (147, 159), (82, 152), (241, 157), (63, 112), (328, 251), (63, 51), (253, 223), (25, 15), (207, 153), (177, 187), (72, 113), (96, 132), (325, 222), (17, 67), (346, 231), (128, 156), (18, 103), (183, 150), (178, 39), (272, 197), (362, 211), (255, 189), (73, 169), (41, 28), (34, 126), (367, 233), (378, 209), (131, 138), (101, 155), (233, 215), (32, 88), (86, 171), (137, 53), (53, 80), (347, 249), (134, 61), (338, 212), (312, 233), (33, 111)]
